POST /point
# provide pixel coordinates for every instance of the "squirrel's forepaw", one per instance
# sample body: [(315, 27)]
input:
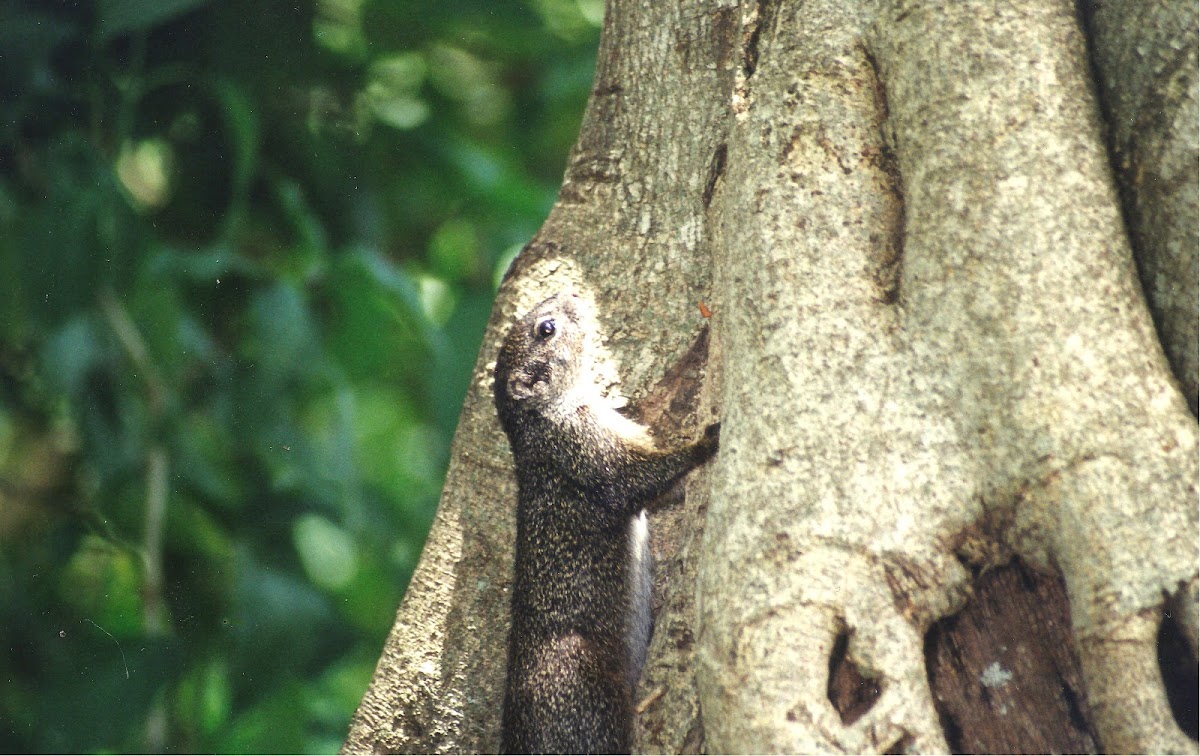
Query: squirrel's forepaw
[(711, 440)]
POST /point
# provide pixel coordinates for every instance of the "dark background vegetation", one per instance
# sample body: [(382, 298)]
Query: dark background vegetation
[(247, 251)]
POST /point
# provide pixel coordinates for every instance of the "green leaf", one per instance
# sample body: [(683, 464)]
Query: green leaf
[(205, 697), (71, 353), (284, 342), (326, 551), (379, 326), (205, 461), (393, 90), (242, 126), (274, 725), (81, 234), (117, 17), (103, 582), (454, 250)]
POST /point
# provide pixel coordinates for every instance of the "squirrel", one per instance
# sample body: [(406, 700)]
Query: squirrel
[(581, 589)]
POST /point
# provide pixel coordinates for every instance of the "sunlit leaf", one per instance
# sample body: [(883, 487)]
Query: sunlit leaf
[(103, 582), (327, 551), (145, 171)]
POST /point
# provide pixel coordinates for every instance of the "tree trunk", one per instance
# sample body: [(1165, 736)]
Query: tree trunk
[(956, 492)]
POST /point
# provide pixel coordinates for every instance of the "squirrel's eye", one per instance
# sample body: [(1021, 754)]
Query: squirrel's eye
[(545, 329)]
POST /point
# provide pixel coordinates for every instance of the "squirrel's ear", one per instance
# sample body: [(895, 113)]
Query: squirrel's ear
[(529, 381), (520, 386)]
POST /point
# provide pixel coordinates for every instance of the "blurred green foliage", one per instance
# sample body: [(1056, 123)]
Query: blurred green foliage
[(247, 252)]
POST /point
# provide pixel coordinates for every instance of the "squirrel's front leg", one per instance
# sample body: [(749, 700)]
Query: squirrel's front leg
[(641, 476)]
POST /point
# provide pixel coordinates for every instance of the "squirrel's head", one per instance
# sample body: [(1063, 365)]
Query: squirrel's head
[(544, 358)]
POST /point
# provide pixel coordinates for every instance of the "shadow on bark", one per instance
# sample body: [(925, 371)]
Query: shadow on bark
[(1181, 677)]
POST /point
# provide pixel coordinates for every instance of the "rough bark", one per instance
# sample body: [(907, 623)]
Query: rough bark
[(944, 404)]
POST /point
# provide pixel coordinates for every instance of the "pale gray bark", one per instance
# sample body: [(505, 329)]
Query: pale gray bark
[(929, 347)]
